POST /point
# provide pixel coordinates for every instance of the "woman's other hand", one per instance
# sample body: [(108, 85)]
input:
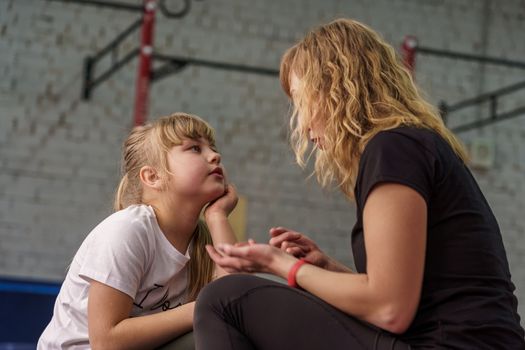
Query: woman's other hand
[(301, 246), (298, 245)]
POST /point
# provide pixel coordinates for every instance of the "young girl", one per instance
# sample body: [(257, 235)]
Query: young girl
[(133, 282), (432, 271)]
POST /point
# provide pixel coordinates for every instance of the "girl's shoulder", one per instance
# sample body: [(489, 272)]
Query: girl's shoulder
[(135, 221), (132, 215)]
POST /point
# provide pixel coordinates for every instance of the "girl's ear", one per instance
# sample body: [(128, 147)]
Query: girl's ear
[(149, 177)]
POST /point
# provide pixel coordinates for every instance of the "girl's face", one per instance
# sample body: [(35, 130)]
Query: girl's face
[(314, 123), (196, 171)]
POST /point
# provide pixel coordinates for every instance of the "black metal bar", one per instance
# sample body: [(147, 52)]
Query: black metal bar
[(112, 45), (217, 65), (497, 118), (109, 4), (471, 57), (89, 63), (443, 111), (486, 96), (166, 69), (493, 107), (114, 68), (88, 75)]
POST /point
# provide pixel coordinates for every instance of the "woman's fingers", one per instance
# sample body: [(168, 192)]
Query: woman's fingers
[(230, 264), (277, 240), (296, 251), (213, 253), (245, 251), (244, 244), (293, 248), (277, 230)]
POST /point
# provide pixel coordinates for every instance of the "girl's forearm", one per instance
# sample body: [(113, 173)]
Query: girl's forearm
[(221, 231), (220, 228), (147, 332)]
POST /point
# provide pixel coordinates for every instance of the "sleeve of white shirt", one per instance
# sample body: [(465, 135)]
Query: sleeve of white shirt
[(117, 254)]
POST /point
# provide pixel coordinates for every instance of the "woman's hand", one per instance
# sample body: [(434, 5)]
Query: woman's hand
[(223, 205), (298, 245), (251, 257)]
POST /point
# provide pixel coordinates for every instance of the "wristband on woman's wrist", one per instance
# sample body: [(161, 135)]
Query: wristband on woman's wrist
[(292, 282)]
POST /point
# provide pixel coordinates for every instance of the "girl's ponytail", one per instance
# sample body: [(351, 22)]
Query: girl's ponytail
[(118, 203), (136, 152), (201, 267)]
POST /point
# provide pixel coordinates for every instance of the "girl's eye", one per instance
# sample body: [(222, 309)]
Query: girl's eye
[(196, 148)]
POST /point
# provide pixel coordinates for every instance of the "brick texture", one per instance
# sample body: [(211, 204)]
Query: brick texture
[(59, 155)]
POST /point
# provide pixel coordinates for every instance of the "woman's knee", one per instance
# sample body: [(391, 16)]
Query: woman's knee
[(222, 291)]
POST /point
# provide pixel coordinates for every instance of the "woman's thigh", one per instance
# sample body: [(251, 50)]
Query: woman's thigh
[(267, 315)]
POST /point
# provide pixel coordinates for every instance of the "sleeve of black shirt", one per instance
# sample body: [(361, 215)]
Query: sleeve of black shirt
[(395, 157)]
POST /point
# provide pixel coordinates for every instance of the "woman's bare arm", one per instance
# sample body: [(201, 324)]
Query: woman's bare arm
[(395, 219)]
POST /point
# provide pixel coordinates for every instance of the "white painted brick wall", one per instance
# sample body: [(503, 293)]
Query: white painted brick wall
[(59, 155)]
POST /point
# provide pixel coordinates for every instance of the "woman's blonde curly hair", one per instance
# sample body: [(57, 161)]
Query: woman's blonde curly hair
[(352, 80)]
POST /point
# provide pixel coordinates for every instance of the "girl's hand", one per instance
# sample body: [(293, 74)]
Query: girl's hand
[(251, 257), (298, 245), (223, 205)]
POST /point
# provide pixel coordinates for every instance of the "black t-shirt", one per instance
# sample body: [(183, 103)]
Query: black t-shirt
[(467, 299)]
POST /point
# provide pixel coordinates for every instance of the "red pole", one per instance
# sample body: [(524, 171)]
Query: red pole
[(144, 69), (408, 52)]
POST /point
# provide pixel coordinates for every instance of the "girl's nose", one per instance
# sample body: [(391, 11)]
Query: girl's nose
[(215, 157)]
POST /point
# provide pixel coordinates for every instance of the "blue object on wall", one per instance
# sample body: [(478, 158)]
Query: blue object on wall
[(26, 308)]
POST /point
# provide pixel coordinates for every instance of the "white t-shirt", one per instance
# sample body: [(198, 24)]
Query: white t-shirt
[(126, 251)]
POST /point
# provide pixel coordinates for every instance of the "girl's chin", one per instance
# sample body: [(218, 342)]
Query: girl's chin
[(216, 194)]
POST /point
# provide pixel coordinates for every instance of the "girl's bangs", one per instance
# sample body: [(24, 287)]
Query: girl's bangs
[(187, 127)]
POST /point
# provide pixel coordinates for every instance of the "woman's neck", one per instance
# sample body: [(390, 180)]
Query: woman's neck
[(178, 223)]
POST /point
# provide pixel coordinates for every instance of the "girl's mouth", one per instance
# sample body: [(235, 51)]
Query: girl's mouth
[(217, 171)]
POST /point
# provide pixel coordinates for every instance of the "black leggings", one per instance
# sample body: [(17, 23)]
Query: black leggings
[(247, 312)]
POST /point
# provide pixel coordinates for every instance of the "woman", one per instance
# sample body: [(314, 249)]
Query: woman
[(431, 267)]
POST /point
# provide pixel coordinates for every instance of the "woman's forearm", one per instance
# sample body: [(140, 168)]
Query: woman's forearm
[(334, 265), (354, 295)]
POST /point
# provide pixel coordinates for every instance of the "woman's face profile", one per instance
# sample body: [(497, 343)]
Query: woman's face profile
[(314, 123)]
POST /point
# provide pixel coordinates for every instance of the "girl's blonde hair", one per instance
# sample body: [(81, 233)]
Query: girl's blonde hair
[(352, 80), (149, 145)]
